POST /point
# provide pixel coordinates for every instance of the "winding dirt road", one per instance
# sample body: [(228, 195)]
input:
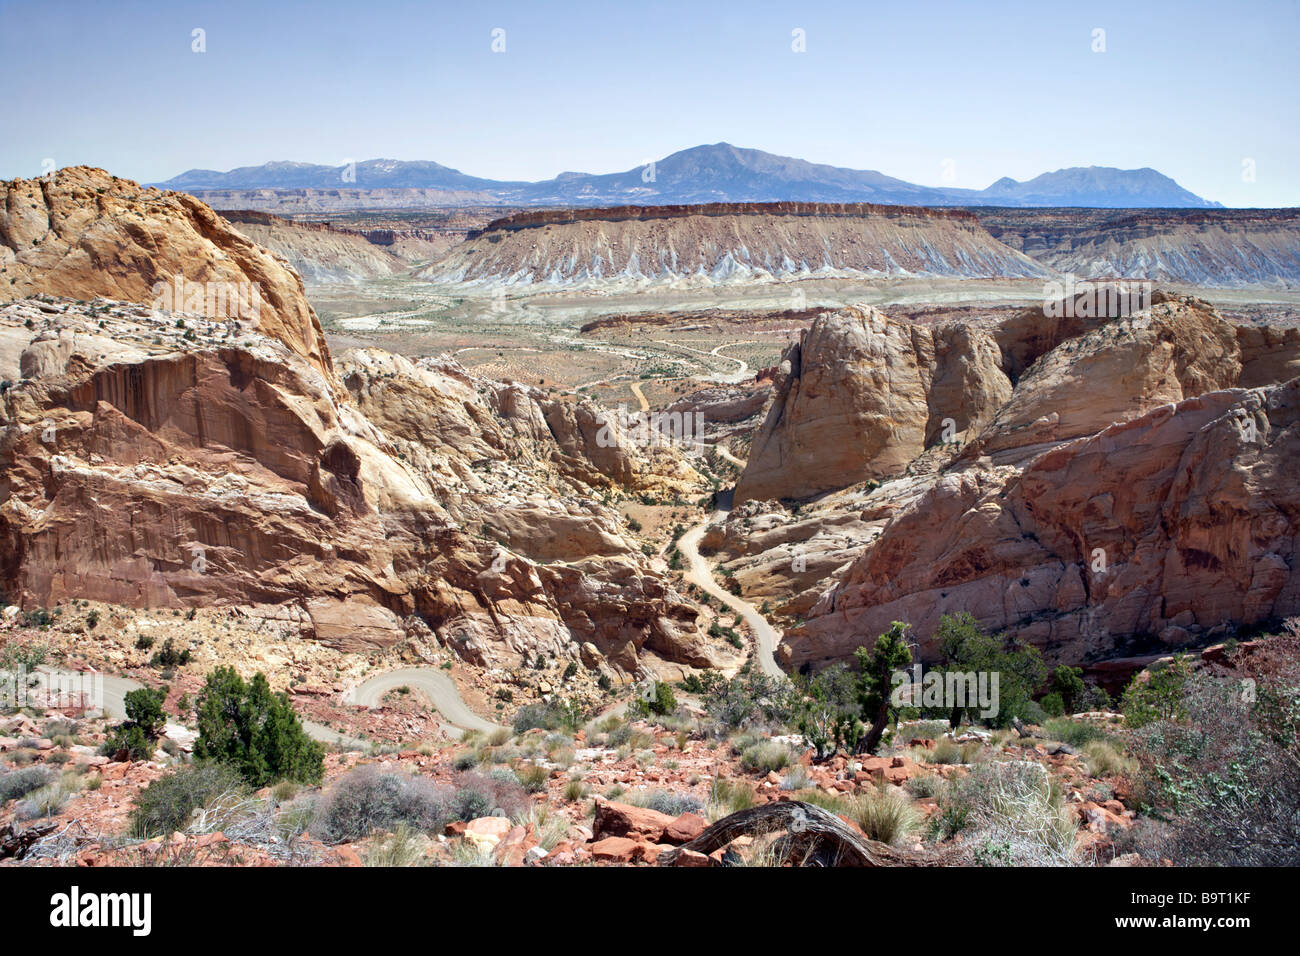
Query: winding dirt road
[(432, 683), (725, 452), (700, 574)]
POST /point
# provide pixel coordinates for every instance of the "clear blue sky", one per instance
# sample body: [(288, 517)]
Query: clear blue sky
[(1189, 88)]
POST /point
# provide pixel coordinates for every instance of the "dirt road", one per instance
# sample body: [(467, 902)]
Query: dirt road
[(699, 573)]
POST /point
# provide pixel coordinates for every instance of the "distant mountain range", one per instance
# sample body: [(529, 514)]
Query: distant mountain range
[(717, 173)]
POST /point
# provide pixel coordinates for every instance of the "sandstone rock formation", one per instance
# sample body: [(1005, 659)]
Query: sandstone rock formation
[(1126, 495), (862, 395), (155, 467), (1119, 370), (1178, 523), (82, 233)]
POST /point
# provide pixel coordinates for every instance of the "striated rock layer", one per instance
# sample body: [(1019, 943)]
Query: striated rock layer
[(729, 241), (1227, 248)]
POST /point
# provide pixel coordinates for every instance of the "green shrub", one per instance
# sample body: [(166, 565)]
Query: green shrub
[(1067, 683), (945, 752), (669, 802), (751, 699), (733, 795), (1160, 696), (256, 730), (402, 847), (49, 799), (144, 708), (1105, 761), (137, 737), (964, 647), (533, 777), (167, 804), (168, 656), (466, 760), (478, 795), (1076, 733), (575, 790), (128, 741), (550, 715), (1013, 803), (664, 701), (925, 785)]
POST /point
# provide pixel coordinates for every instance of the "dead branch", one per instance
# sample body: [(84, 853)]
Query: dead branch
[(15, 843), (813, 836)]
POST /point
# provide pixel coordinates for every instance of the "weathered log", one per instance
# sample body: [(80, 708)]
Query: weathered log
[(15, 843), (811, 836)]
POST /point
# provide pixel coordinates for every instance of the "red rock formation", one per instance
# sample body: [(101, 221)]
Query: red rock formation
[(82, 233)]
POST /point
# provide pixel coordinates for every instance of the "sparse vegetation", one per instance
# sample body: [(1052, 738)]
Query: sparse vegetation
[(167, 804)]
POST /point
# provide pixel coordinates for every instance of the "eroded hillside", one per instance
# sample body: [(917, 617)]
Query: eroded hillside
[(722, 242)]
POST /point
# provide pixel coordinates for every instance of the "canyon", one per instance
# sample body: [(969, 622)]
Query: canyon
[(468, 538)]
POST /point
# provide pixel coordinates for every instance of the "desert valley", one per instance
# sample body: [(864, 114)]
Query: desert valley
[(732, 510), (569, 522)]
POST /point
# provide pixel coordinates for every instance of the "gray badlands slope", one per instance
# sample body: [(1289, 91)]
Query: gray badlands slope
[(321, 253), (1222, 247), (721, 242)]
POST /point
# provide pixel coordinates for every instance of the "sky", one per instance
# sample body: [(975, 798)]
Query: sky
[(936, 93)]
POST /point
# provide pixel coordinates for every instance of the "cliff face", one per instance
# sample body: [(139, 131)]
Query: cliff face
[(83, 233), (720, 242), (1111, 483), (861, 396), (147, 468), (321, 253), (1154, 531)]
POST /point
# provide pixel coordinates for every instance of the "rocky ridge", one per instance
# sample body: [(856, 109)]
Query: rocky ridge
[(212, 470), (1146, 445), (729, 242), (82, 233)]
